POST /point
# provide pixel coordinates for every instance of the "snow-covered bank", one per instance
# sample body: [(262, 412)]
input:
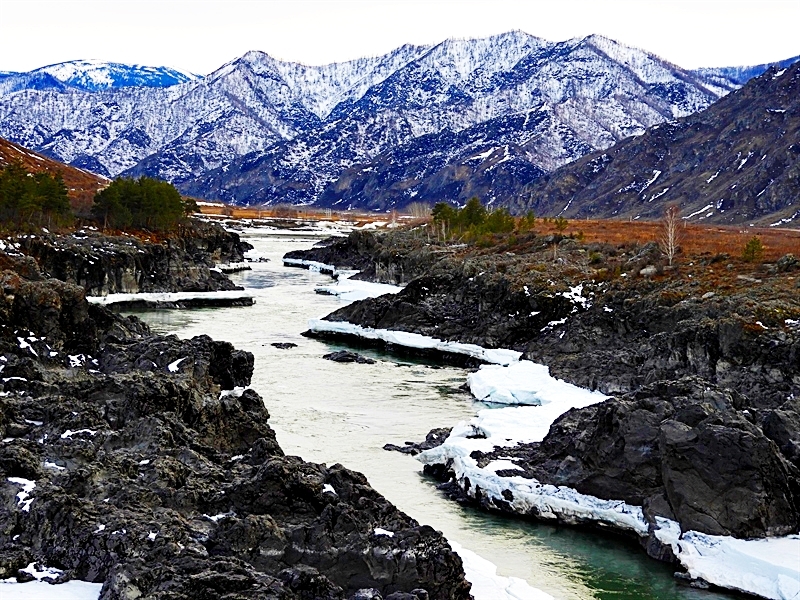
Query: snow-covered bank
[(172, 297), (764, 567), (488, 585), (498, 356), (351, 290), (38, 589)]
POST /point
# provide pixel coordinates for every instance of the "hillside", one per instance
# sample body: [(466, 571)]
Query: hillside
[(737, 162), (81, 185)]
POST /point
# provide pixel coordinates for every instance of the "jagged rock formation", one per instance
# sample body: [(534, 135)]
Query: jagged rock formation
[(104, 264), (137, 461), (736, 162), (420, 123)]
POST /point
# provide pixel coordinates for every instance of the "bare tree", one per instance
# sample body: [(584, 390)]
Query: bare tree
[(671, 232)]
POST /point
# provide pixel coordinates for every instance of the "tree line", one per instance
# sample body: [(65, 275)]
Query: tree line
[(143, 203), (41, 199), (474, 220), (32, 198)]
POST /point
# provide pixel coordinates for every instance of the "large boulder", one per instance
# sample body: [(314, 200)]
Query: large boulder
[(685, 450)]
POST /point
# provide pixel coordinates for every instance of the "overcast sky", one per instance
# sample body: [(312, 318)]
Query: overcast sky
[(201, 35)]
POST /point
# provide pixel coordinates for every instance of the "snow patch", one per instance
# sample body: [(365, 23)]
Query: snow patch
[(22, 497), (415, 340)]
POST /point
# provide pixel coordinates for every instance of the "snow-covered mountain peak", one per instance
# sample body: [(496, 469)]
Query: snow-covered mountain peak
[(320, 88), (97, 75), (457, 59)]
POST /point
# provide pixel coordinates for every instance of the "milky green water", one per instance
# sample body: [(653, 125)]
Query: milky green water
[(344, 413)]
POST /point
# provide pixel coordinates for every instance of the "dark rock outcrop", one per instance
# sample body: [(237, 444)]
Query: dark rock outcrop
[(346, 356), (435, 437), (685, 450), (156, 473), (125, 264), (386, 258)]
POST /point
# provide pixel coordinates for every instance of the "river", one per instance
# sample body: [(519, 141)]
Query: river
[(344, 413)]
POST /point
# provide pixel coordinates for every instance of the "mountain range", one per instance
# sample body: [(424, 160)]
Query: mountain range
[(421, 123)]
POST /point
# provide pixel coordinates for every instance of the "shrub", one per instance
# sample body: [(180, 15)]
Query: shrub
[(753, 250)]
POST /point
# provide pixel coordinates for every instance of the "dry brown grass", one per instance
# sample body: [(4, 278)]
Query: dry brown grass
[(696, 240)]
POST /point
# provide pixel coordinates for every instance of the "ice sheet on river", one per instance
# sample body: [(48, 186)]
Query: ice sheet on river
[(414, 340), (526, 382), (170, 296), (352, 290), (488, 585)]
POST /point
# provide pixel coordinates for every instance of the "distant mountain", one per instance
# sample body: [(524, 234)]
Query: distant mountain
[(736, 162), (92, 76), (738, 76), (428, 123), (81, 186)]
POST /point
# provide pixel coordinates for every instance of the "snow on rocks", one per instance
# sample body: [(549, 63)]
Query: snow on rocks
[(526, 382), (379, 531), (23, 501), (67, 435), (414, 340), (174, 366)]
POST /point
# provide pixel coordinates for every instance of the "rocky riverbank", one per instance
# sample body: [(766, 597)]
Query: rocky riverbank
[(105, 264), (702, 360), (142, 462)]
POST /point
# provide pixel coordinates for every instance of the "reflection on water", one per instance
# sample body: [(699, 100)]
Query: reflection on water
[(344, 413)]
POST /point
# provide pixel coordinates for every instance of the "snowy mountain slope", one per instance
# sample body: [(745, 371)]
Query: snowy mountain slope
[(263, 130), (566, 99), (93, 76), (736, 162)]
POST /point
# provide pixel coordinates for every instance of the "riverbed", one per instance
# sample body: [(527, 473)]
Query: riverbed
[(344, 413)]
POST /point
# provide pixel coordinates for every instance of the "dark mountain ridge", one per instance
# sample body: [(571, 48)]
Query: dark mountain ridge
[(736, 162)]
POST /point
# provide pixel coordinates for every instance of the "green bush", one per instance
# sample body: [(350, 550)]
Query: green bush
[(753, 250), (143, 203), (473, 222), (32, 198)]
